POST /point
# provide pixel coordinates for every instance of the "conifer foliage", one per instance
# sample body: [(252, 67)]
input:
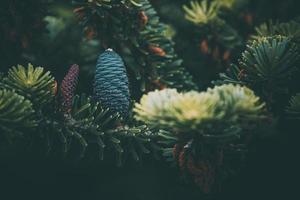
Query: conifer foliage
[(33, 83), (82, 123), (217, 37), (293, 108), (134, 28), (16, 114), (142, 103), (207, 126), (269, 65)]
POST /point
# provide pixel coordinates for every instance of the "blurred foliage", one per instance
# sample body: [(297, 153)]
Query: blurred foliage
[(293, 109), (200, 48)]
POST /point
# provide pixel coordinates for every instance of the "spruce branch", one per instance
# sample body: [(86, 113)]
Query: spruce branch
[(83, 128), (90, 130), (269, 60), (289, 29), (204, 12), (293, 109), (201, 12), (210, 25), (203, 128), (16, 113), (136, 30), (205, 113), (33, 83)]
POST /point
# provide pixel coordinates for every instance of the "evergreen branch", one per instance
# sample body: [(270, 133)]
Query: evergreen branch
[(293, 109), (85, 129), (201, 12), (204, 12), (136, 30), (267, 60), (287, 29), (205, 128), (16, 113), (213, 112), (206, 16), (33, 83), (90, 129)]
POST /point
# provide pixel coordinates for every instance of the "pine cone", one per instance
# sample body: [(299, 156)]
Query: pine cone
[(111, 83), (68, 87)]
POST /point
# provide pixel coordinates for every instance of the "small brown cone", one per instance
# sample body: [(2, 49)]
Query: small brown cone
[(204, 47), (143, 18), (156, 50)]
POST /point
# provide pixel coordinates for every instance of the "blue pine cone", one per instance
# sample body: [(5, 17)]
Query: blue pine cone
[(111, 83)]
